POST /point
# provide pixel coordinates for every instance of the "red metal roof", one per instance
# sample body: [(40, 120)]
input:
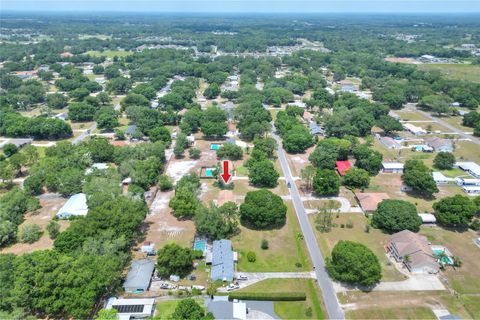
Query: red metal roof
[(343, 166)]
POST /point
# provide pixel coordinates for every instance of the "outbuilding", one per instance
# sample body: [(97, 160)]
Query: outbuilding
[(132, 308), (392, 167), (427, 218), (74, 207), (439, 178), (471, 190), (469, 167)]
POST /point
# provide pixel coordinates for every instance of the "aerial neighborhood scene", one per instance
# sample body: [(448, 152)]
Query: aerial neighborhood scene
[(239, 159)]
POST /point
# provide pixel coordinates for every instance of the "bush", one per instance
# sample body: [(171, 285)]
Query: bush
[(444, 160), (475, 225), (53, 229), (197, 254), (264, 244), (251, 256), (268, 296), (165, 183), (194, 153), (29, 233)]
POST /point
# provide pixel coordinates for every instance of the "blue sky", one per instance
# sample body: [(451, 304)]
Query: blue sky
[(260, 6)]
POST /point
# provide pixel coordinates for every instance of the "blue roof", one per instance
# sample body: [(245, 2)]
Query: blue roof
[(131, 129), (222, 260)]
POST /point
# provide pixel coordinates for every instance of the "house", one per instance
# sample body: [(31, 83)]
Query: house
[(342, 167), (298, 103), (439, 178), (390, 143), (97, 167), (25, 74), (413, 251), (132, 308), (467, 181), (427, 218), (370, 201), (471, 190), (414, 129), (131, 129), (222, 308), (440, 145), (62, 116), (428, 58), (75, 206), (222, 260), (392, 167), (139, 276), (315, 128), (470, 167)]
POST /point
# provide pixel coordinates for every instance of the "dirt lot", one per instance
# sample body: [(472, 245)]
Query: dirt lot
[(42, 217)]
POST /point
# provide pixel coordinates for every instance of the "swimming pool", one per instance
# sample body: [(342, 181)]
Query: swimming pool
[(215, 146), (209, 172), (200, 244), (445, 259)]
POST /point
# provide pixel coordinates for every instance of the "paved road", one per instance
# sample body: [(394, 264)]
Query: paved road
[(84, 134), (449, 126), (329, 296)]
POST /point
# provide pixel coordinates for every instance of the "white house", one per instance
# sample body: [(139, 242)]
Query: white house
[(427, 218), (439, 178), (392, 167), (471, 190), (469, 167), (132, 308), (467, 181), (74, 207), (414, 129)]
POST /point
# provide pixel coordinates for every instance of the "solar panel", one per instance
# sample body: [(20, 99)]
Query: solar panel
[(135, 308)]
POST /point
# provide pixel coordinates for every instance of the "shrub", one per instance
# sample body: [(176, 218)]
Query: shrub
[(475, 225), (349, 224), (29, 233), (53, 229), (264, 244), (197, 254), (268, 296), (194, 153), (165, 183), (251, 256)]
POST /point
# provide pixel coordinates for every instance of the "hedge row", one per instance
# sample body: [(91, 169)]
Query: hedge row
[(268, 296)]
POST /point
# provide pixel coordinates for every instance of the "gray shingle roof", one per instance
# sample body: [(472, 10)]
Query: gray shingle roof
[(222, 260)]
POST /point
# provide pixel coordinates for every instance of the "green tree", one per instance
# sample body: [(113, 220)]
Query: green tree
[(263, 174), (70, 181), (217, 222), (307, 175), (107, 314), (455, 211), (194, 153), (230, 151), (418, 176), (297, 140), (324, 155), (444, 160), (160, 134), (354, 263), (396, 215), (184, 204), (356, 178), (29, 233), (263, 209), (174, 260), (10, 149), (53, 229), (189, 309), (326, 182)]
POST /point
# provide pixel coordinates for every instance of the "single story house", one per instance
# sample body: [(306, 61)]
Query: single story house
[(131, 129), (223, 264), (222, 308), (370, 201), (471, 190), (413, 251), (427, 218), (467, 181), (440, 145), (469, 167), (439, 178), (414, 129), (392, 167), (139, 276), (390, 143), (74, 207), (315, 128), (342, 166), (132, 308)]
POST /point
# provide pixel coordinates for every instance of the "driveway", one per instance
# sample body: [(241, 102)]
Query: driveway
[(84, 134), (426, 282), (330, 300), (254, 277), (345, 205)]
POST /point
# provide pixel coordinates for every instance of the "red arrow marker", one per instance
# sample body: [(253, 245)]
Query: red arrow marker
[(225, 175)]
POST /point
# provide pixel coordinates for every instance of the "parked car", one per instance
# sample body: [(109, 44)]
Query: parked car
[(242, 277), (232, 287)]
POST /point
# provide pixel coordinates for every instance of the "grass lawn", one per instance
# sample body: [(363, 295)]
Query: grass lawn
[(412, 116), (109, 53), (241, 171), (375, 240), (165, 308), (401, 304), (466, 150), (455, 71), (392, 313), (285, 248), (292, 309)]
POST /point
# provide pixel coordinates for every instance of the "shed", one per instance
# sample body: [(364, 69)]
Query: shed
[(427, 218), (74, 207), (222, 260), (148, 248), (392, 167), (439, 178), (139, 276), (342, 167)]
